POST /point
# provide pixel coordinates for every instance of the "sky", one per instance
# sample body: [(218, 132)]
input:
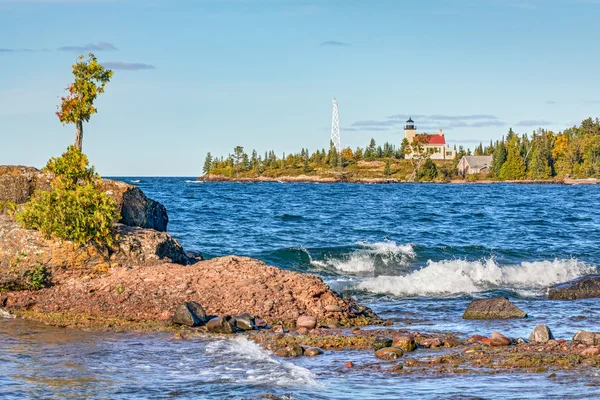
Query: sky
[(193, 76)]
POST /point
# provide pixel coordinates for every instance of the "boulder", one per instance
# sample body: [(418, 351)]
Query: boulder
[(306, 321), (244, 322), (221, 325), (541, 334), (494, 308), (591, 351), (18, 183), (189, 313), (587, 286), (389, 353), (381, 342), (404, 342), (586, 338), (291, 350), (312, 351)]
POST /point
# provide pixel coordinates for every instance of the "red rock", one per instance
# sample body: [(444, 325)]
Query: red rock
[(476, 338), (302, 331), (349, 364), (487, 341), (499, 339), (591, 351)]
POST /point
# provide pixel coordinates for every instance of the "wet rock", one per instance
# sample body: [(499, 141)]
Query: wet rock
[(389, 353), (260, 324), (476, 338), (585, 287), (499, 339), (494, 308), (349, 364), (306, 321), (586, 338), (277, 329), (541, 334), (291, 350), (404, 342), (312, 351), (381, 342), (302, 331), (244, 322), (431, 343), (521, 341), (223, 324), (189, 313)]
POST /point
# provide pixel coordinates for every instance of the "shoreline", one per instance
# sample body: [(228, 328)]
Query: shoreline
[(321, 179)]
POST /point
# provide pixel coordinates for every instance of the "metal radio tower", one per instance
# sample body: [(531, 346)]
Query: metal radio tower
[(335, 127)]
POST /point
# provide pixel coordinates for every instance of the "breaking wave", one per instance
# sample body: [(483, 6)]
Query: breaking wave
[(257, 366), (452, 277), (367, 257)]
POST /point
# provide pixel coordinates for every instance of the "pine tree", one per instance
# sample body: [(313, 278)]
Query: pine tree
[(514, 167), (207, 163), (499, 157), (387, 170)]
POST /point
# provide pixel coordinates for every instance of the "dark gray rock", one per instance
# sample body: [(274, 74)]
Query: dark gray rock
[(541, 334), (381, 342), (223, 324), (389, 353), (244, 322), (587, 286), (189, 313), (494, 308)]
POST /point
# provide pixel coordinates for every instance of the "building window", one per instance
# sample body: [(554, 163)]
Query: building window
[(448, 154)]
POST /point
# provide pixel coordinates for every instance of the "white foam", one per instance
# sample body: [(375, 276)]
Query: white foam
[(5, 314), (265, 368), (364, 259), (461, 276)]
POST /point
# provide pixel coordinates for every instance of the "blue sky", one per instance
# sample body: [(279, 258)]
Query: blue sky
[(193, 76)]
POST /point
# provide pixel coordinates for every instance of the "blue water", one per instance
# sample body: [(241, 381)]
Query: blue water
[(415, 253)]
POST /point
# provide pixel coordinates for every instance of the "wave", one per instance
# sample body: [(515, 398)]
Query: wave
[(451, 277), (260, 367), (367, 257), (189, 181)]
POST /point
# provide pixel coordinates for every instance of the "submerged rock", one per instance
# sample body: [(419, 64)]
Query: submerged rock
[(189, 313), (312, 351), (586, 338), (541, 334), (381, 342), (306, 321), (494, 308), (221, 325), (291, 350), (587, 286), (389, 353)]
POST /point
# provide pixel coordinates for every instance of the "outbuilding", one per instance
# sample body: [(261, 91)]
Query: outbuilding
[(469, 165)]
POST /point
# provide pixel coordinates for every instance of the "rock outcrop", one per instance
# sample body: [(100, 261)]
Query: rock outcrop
[(541, 334), (23, 250), (581, 288), (586, 338), (493, 308), (18, 183), (223, 286)]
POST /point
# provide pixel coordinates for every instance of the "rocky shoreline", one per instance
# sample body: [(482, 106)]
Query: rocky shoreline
[(341, 178)]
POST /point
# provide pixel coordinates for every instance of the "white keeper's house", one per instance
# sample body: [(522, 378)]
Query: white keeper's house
[(435, 143)]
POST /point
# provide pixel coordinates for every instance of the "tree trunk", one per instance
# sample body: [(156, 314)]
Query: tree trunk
[(79, 135)]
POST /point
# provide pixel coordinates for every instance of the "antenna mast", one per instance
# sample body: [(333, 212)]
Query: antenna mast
[(335, 127)]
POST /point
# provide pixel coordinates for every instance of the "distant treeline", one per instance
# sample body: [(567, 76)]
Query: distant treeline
[(574, 152)]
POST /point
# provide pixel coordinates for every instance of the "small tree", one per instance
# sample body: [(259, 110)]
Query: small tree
[(429, 171), (387, 170), (207, 163), (78, 105)]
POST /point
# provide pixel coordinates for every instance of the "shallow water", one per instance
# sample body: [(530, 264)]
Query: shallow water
[(416, 254)]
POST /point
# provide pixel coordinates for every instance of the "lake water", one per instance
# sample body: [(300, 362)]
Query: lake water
[(415, 253)]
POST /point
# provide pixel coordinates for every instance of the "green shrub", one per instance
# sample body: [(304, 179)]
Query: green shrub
[(38, 277), (75, 209), (8, 207), (428, 171)]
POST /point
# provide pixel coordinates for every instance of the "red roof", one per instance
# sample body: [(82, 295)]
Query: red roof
[(434, 138)]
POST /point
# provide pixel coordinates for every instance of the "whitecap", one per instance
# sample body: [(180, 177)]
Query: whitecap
[(451, 277), (265, 368)]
